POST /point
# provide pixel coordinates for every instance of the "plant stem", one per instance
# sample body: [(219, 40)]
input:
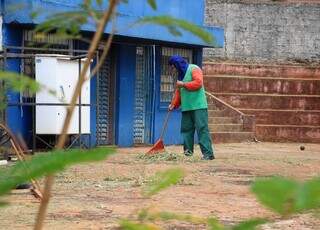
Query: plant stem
[(62, 139)]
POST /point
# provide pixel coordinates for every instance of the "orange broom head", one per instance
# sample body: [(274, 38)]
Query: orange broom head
[(158, 147)]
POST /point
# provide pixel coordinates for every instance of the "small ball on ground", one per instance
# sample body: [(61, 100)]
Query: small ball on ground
[(302, 148)]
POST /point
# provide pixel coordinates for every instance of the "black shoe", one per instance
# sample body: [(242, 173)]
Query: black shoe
[(188, 153), (24, 186), (207, 158)]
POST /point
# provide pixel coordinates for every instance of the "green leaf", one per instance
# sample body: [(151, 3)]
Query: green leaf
[(288, 196), (249, 224), (277, 193), (3, 98), (214, 224), (308, 196), (174, 31), (173, 24), (99, 2), (3, 204), (129, 225), (153, 4), (34, 14), (163, 180), (66, 24), (19, 82), (144, 215), (48, 163)]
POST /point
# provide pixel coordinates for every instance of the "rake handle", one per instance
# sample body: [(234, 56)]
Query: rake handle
[(165, 124)]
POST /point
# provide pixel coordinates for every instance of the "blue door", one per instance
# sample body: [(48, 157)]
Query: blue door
[(144, 95)]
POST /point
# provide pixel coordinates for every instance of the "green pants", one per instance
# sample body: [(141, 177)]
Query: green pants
[(196, 120)]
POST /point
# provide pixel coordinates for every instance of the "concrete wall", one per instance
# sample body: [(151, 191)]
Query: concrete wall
[(260, 31)]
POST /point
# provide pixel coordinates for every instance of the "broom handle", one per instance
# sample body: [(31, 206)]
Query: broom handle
[(167, 116), (165, 124)]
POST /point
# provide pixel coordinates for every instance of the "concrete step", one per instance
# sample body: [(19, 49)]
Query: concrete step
[(281, 133), (265, 101), (261, 70), (232, 137), (267, 85), (285, 117), (285, 99), (211, 104), (223, 120), (216, 113), (225, 127)]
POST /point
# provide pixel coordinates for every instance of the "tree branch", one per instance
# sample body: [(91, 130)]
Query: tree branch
[(62, 139)]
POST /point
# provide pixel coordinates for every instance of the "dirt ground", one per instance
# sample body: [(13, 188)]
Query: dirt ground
[(97, 196)]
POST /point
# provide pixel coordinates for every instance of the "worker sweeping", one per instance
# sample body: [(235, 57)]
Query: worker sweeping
[(190, 95)]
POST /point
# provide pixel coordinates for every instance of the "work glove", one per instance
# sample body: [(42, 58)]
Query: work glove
[(170, 107), (180, 84)]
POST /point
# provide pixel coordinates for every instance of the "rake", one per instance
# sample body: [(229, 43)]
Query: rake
[(158, 147)]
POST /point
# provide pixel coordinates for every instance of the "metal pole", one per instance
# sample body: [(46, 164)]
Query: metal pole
[(44, 49), (97, 103), (34, 133), (4, 68), (80, 139)]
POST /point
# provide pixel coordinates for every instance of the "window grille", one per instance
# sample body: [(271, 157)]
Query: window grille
[(167, 83), (143, 94), (140, 97), (31, 40), (105, 103)]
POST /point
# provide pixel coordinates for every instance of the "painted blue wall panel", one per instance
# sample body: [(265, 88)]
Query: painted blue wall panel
[(184, 9), (19, 118), (93, 111), (15, 115), (172, 134), (12, 36), (126, 69), (129, 13)]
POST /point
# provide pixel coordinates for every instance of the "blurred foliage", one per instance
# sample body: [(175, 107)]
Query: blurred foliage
[(153, 4), (249, 224), (214, 224), (48, 163), (16, 82), (163, 180), (130, 225), (19, 82), (146, 215), (286, 196), (3, 204), (168, 156), (174, 25)]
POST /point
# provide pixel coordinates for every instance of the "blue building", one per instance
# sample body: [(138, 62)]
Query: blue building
[(131, 92)]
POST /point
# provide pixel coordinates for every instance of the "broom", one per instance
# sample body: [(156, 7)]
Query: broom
[(158, 147)]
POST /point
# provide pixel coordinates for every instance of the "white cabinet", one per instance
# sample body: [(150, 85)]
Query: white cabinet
[(59, 74), (49, 120)]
